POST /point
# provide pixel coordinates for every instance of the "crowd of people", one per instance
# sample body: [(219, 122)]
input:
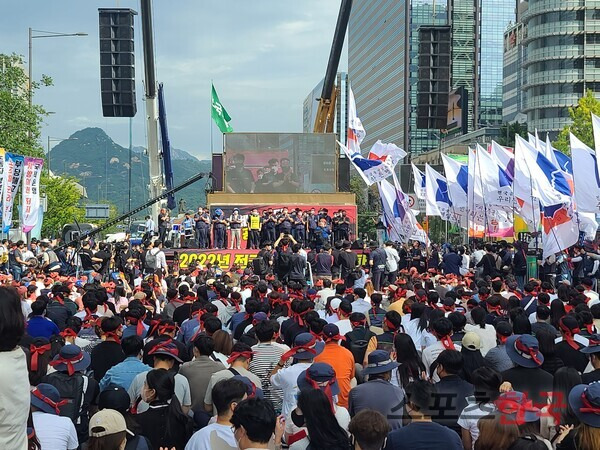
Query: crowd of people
[(438, 348)]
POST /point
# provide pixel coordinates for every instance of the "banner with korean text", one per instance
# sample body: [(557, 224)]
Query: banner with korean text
[(30, 205), (2, 153), (13, 171)]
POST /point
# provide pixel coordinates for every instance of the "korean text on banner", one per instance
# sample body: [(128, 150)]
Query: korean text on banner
[(13, 170), (30, 208)]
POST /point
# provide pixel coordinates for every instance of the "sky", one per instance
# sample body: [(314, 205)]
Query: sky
[(264, 57)]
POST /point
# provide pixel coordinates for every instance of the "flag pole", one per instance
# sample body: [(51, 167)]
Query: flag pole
[(485, 219), (210, 118)]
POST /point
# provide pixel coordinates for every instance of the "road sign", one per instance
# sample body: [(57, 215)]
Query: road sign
[(412, 200)]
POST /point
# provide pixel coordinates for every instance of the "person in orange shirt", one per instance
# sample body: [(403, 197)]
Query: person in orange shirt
[(340, 358)]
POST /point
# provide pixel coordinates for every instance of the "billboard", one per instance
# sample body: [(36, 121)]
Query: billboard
[(280, 163)]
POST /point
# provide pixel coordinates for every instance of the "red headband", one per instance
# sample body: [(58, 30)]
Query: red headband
[(569, 334), (510, 406), (522, 348), (68, 362), (587, 405), (68, 332), (446, 341), (236, 355), (308, 347), (113, 335), (326, 389), (35, 352), (56, 405)]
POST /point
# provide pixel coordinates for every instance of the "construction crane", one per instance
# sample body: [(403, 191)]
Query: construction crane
[(156, 186), (326, 109)]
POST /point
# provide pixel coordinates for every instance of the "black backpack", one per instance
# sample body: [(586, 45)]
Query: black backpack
[(357, 341), (72, 389), (283, 262), (259, 265)]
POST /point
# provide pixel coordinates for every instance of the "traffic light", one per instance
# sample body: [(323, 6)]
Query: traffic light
[(117, 62)]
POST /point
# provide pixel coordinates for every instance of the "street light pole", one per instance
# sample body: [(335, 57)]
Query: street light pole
[(44, 34)]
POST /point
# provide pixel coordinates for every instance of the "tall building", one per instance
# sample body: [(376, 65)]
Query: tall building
[(422, 12), (561, 58), (377, 61), (496, 15), (311, 103), (514, 76)]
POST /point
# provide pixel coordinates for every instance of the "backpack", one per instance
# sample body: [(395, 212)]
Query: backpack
[(357, 341), (150, 260), (283, 261), (72, 389), (259, 265)]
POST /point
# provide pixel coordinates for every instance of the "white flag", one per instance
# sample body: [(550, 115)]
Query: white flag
[(437, 200), (419, 182)]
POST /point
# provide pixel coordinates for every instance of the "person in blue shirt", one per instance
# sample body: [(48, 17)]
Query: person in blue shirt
[(38, 325), (122, 374)]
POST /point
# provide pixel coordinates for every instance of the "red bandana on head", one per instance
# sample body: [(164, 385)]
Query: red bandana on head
[(569, 334), (35, 352), (235, 355), (308, 347)]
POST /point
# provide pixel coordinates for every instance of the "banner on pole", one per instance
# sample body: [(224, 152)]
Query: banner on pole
[(32, 171), (13, 170)]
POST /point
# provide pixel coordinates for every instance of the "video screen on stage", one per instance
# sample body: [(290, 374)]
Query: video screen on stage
[(280, 163)]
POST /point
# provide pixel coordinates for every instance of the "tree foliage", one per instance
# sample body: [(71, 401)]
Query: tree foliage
[(508, 132), (20, 124), (63, 204), (20, 130), (581, 126)]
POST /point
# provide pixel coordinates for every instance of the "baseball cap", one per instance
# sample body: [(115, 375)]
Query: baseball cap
[(107, 422), (471, 341)]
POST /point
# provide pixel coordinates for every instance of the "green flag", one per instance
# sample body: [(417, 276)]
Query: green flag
[(219, 113)]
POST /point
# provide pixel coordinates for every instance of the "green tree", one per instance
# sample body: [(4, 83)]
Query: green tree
[(508, 132), (63, 204), (581, 126), (20, 124)]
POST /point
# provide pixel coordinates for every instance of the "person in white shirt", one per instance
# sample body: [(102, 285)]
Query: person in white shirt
[(52, 430), (360, 303), (442, 330), (226, 395), (161, 259), (391, 263), (344, 311), (286, 378), (323, 295), (589, 292)]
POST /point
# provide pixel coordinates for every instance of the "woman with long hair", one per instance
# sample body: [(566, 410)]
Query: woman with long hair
[(558, 412), (164, 423), (471, 353), (557, 309), (496, 433), (547, 347), (417, 324), (223, 344), (411, 367), (314, 411)]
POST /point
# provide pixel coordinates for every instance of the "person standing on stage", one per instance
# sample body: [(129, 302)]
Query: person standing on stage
[(285, 222), (149, 227), (269, 222), (312, 221), (163, 223), (235, 226), (188, 229), (254, 224), (219, 229), (343, 226), (299, 226), (202, 219)]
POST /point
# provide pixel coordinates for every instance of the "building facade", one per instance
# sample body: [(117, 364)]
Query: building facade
[(311, 104), (562, 59), (514, 76)]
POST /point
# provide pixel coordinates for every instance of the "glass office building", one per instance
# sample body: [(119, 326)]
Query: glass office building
[(377, 60), (422, 12), (496, 15), (513, 97), (562, 61)]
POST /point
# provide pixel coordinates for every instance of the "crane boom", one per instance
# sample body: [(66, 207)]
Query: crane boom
[(326, 108), (156, 186)]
